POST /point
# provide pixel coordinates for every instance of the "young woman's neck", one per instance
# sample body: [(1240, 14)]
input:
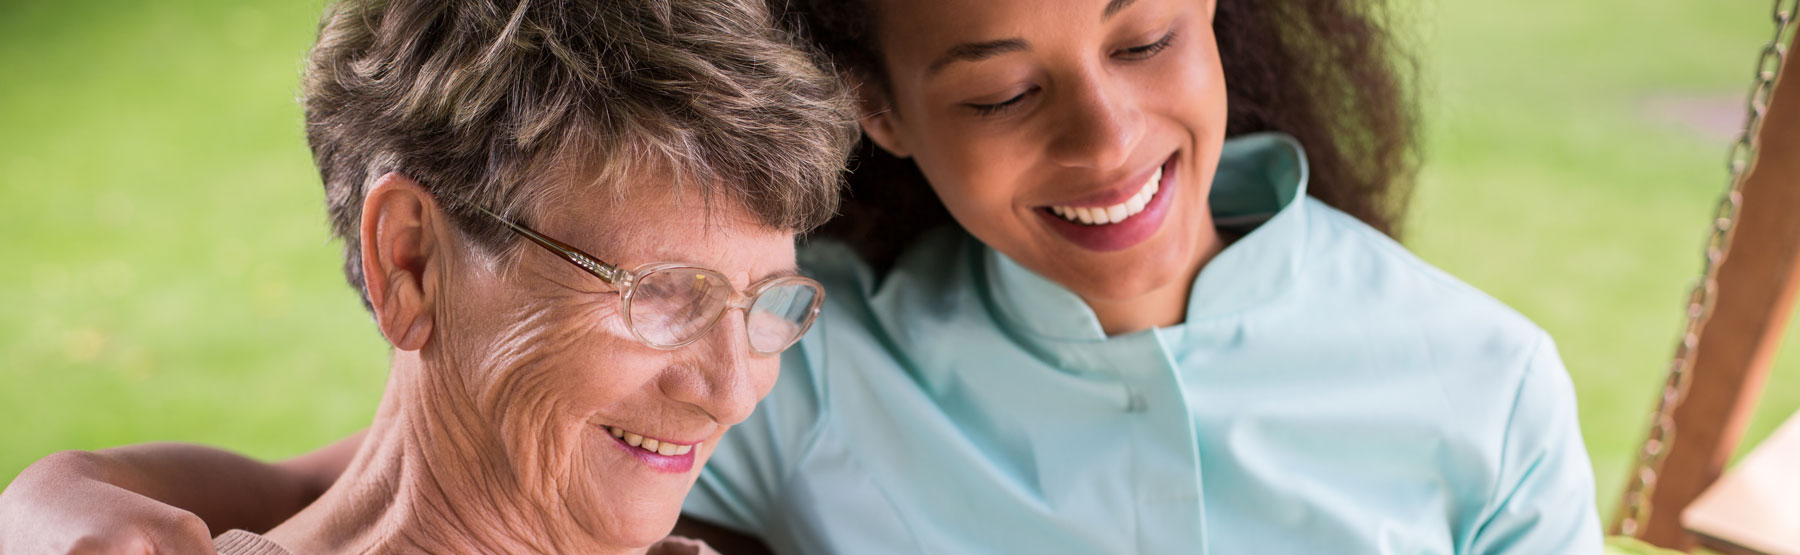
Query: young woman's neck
[(429, 478), (1164, 306)]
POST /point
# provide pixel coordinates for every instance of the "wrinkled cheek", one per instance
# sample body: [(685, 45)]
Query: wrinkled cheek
[(535, 394), (543, 353), (542, 432)]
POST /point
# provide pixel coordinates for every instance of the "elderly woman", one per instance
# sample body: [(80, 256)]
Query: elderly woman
[(574, 222)]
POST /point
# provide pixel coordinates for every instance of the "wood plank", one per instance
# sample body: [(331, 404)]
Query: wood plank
[(1756, 293), (1755, 507)]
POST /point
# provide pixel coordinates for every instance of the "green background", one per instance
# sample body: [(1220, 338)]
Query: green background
[(166, 274)]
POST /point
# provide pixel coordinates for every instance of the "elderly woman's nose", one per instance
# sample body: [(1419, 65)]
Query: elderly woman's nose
[(725, 384)]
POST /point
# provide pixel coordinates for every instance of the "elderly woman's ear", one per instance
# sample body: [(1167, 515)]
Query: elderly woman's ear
[(402, 235)]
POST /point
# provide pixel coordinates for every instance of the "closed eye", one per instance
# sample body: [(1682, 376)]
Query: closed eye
[(1001, 106), (1148, 50)]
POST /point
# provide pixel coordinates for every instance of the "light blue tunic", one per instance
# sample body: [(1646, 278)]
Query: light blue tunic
[(1327, 393)]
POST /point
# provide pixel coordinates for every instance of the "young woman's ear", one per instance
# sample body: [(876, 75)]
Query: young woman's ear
[(400, 223), (878, 117)]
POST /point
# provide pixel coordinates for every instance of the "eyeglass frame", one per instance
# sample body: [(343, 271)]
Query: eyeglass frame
[(625, 281)]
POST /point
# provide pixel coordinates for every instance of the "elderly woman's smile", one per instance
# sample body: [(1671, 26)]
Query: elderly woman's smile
[(661, 453)]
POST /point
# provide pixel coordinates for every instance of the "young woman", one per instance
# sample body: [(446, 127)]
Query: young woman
[(1167, 318)]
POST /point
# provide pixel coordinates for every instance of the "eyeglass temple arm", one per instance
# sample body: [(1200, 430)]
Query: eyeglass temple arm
[(599, 268)]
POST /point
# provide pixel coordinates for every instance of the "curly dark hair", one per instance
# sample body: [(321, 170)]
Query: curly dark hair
[(1327, 72)]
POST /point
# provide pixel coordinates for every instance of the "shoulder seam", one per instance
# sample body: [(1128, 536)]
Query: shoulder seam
[(1393, 247)]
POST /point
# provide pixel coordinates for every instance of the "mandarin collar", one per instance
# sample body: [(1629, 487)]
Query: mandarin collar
[(1258, 187)]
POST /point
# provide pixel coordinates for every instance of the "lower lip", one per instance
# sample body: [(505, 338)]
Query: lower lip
[(673, 464), (1122, 235)]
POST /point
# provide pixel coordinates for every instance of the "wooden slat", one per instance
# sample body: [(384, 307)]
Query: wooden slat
[(1755, 507), (1757, 286)]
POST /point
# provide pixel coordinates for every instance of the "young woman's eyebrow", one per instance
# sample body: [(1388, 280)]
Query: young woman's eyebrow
[(977, 51), (1114, 7)]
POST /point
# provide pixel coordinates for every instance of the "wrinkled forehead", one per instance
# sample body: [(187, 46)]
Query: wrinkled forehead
[(652, 216)]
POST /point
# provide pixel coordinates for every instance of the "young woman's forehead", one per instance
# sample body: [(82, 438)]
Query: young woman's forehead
[(935, 38)]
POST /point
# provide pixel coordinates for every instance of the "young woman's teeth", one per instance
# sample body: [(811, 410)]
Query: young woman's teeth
[(651, 445), (1100, 215)]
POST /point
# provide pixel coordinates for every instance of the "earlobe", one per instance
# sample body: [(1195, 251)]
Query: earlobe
[(398, 222), (878, 118)]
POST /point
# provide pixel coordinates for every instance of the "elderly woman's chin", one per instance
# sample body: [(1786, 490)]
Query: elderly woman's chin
[(630, 494)]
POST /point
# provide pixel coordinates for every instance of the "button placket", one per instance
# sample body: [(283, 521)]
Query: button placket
[(1165, 468)]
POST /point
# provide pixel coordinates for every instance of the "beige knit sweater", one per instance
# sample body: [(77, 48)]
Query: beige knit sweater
[(239, 542)]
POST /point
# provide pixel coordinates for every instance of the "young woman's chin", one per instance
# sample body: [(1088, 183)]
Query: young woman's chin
[(1125, 276)]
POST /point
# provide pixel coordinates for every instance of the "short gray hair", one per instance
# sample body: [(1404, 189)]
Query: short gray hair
[(490, 100)]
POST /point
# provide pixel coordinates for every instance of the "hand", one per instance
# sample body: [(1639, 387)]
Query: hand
[(69, 503)]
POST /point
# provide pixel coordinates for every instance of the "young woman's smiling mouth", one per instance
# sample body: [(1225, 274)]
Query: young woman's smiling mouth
[(1120, 217)]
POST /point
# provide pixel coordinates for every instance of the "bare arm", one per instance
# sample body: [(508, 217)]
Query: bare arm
[(158, 497)]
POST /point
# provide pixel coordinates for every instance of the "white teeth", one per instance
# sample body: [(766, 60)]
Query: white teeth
[(1116, 213), (651, 445), (1101, 215)]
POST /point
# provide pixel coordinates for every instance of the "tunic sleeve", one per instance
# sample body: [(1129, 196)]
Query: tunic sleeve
[(1544, 502)]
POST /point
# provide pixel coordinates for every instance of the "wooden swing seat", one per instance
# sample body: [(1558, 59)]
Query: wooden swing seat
[(1755, 507)]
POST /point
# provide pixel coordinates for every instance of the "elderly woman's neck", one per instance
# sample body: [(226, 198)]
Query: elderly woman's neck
[(430, 477)]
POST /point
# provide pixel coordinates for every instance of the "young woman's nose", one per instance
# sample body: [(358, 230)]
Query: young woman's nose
[(1099, 125)]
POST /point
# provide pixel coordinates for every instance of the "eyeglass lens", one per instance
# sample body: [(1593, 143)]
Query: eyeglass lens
[(671, 306), (780, 315)]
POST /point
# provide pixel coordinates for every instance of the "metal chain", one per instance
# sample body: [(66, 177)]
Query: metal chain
[(1701, 299)]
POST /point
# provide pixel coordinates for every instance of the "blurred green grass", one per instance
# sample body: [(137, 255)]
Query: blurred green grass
[(167, 273)]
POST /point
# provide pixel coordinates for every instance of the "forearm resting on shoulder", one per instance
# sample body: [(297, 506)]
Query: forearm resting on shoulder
[(154, 486), (225, 489)]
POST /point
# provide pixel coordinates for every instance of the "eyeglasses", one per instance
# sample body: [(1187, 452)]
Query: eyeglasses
[(668, 305)]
